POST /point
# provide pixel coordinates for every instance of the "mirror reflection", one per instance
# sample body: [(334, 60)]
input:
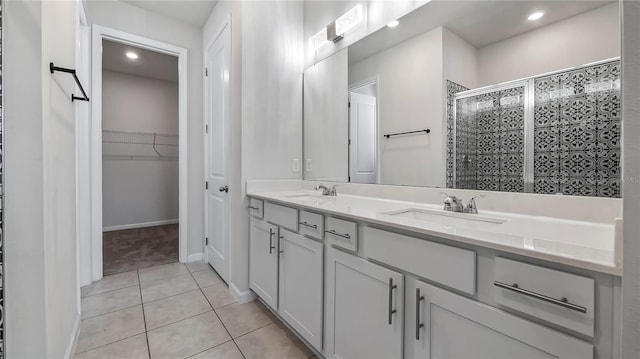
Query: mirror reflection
[(450, 98)]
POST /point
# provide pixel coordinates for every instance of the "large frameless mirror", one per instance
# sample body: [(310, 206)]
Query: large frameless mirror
[(474, 95)]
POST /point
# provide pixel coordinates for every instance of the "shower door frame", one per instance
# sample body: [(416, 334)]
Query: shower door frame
[(529, 124)]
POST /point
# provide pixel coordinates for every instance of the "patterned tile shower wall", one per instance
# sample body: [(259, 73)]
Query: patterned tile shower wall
[(452, 89), (577, 132), (576, 135), (490, 141), (2, 336)]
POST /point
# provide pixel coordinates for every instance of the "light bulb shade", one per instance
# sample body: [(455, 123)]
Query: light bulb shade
[(349, 20)]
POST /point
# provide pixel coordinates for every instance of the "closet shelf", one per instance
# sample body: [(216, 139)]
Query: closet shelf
[(141, 146)]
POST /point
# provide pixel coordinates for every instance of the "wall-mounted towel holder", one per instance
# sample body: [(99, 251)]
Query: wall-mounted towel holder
[(407, 133), (53, 68)]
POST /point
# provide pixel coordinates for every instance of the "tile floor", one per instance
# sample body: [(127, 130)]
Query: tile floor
[(178, 311)]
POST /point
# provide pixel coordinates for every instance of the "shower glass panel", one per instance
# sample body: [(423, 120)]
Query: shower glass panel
[(558, 133), (490, 140)]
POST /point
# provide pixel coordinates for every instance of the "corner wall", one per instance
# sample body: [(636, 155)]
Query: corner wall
[(41, 303)]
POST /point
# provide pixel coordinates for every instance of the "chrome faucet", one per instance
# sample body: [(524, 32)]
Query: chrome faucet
[(326, 191), (452, 203), (471, 205)]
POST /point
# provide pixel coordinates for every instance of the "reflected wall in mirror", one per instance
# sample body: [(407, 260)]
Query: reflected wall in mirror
[(471, 94)]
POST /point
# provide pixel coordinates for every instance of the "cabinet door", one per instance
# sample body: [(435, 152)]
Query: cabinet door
[(364, 309), (458, 327), (263, 261), (300, 299)]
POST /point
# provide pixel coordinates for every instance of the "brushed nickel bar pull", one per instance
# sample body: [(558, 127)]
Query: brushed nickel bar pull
[(254, 207), (419, 325), (331, 231), (314, 226), (391, 310), (563, 302), (271, 247)]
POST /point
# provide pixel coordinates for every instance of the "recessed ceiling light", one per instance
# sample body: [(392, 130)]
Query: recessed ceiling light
[(535, 16), (132, 55), (393, 23)]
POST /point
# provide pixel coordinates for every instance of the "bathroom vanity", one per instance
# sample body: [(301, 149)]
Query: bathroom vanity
[(364, 277)]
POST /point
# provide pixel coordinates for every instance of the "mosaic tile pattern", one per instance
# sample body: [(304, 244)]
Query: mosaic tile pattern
[(452, 89), (490, 141), (577, 132)]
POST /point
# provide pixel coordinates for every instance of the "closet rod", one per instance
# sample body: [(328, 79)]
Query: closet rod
[(53, 68)]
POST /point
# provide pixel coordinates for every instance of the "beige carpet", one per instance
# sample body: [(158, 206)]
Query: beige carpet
[(132, 249)]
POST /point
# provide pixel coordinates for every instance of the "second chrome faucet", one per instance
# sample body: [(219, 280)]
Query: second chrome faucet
[(454, 204), (326, 191)]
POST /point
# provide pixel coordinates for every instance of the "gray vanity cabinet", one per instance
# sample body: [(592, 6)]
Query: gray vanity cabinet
[(448, 325), (364, 315), (263, 261)]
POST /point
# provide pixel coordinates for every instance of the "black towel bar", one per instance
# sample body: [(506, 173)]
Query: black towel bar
[(407, 133), (53, 68)]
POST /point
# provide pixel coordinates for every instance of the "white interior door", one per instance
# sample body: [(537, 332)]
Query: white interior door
[(217, 133), (362, 139)]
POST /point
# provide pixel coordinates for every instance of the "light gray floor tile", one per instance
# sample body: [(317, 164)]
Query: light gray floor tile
[(240, 319), (162, 272), (167, 287), (172, 309), (228, 350), (112, 282), (197, 266), (207, 278), (108, 328), (130, 348), (110, 301), (218, 295), (272, 341), (187, 337)]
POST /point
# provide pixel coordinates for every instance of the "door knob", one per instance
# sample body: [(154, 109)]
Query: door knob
[(224, 189)]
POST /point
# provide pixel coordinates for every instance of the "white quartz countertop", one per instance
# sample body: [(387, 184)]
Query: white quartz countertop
[(579, 244)]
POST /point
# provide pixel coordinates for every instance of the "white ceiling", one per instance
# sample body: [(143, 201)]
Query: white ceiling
[(148, 64), (480, 23), (193, 12)]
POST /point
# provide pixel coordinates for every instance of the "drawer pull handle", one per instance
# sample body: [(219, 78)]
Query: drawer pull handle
[(254, 208), (564, 302), (331, 231), (280, 244), (419, 298), (314, 226), (391, 310), (271, 247)]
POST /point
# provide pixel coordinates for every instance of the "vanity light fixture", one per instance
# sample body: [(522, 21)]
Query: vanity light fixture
[(393, 24), (320, 39), (334, 32), (535, 16), (132, 55)]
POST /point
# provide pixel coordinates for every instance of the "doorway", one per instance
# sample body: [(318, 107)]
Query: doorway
[(363, 144), (138, 153)]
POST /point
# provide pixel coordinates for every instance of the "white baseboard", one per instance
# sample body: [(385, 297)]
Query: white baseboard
[(139, 225), (195, 257), (71, 347), (240, 296)]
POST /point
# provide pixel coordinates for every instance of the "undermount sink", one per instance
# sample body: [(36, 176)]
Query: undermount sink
[(442, 217)]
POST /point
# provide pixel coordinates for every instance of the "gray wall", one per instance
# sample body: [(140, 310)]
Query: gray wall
[(41, 303), (631, 177), (124, 17), (138, 191)]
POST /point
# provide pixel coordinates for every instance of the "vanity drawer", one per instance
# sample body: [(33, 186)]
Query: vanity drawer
[(558, 297), (256, 207), (283, 216), (311, 224), (342, 233), (450, 266)]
